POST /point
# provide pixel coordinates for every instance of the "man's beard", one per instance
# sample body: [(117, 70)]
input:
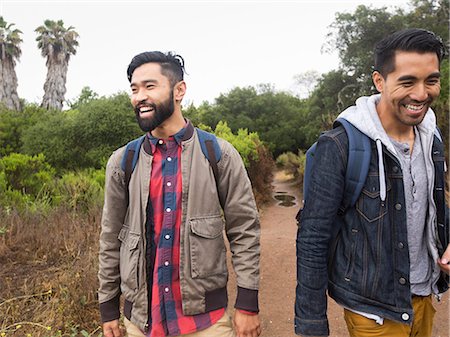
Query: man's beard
[(161, 113)]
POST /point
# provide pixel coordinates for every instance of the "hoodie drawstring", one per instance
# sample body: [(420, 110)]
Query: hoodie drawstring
[(381, 170)]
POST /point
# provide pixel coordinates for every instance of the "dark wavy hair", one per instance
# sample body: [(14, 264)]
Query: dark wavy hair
[(410, 40), (172, 65)]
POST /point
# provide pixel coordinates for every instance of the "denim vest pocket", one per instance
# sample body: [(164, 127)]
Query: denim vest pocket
[(369, 205), (129, 258), (207, 247)]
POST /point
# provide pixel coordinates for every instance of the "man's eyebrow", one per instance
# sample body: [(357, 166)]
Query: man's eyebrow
[(412, 78), (143, 82)]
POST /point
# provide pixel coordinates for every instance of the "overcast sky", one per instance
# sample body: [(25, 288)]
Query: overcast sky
[(224, 43)]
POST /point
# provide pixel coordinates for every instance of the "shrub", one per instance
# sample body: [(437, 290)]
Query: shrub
[(27, 174), (293, 164), (80, 191)]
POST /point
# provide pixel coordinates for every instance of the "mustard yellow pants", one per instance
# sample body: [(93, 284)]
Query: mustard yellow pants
[(222, 328), (360, 326)]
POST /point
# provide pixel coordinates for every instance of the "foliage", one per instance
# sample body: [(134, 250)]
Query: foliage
[(9, 53), (244, 142), (53, 38), (275, 116), (49, 274), (80, 191), (86, 96), (57, 43), (293, 164), (85, 137), (9, 39), (25, 182), (29, 174), (354, 36)]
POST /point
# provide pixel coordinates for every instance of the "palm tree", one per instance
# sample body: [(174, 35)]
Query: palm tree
[(57, 43), (9, 53)]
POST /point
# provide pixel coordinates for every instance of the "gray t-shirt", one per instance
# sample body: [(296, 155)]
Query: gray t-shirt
[(416, 197)]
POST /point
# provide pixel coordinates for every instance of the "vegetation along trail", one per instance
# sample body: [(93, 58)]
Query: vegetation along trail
[(278, 271)]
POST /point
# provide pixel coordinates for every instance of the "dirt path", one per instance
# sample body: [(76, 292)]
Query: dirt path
[(278, 273)]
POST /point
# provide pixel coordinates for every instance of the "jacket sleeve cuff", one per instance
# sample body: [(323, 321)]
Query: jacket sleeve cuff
[(247, 299), (109, 311), (311, 328)]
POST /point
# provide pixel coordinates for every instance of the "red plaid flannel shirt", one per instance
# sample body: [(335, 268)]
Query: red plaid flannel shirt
[(167, 317)]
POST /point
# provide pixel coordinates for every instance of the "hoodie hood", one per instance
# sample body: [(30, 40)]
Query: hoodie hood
[(365, 118)]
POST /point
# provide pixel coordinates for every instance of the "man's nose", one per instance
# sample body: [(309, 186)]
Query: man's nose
[(419, 93), (141, 96)]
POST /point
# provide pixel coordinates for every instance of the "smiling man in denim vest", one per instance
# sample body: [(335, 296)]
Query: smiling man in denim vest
[(162, 245), (381, 259)]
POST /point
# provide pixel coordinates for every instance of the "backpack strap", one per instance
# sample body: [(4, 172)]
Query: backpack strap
[(130, 158), (359, 153), (211, 150)]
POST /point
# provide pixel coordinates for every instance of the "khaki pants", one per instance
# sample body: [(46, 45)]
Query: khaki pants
[(222, 328), (359, 326)]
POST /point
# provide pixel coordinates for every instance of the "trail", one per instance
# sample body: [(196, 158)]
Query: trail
[(278, 273)]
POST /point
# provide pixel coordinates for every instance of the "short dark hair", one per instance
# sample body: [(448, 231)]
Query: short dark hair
[(172, 65), (412, 40)]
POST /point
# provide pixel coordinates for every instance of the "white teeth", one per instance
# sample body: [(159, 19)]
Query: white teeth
[(414, 107)]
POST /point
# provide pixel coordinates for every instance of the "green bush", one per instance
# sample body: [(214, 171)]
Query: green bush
[(293, 164), (85, 137), (26, 182), (80, 191), (27, 174), (245, 143), (13, 125)]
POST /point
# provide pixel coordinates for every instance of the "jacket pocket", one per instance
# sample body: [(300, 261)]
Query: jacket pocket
[(207, 247), (369, 205), (129, 258)]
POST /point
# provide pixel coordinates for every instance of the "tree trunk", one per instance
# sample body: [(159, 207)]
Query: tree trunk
[(8, 84), (55, 83)]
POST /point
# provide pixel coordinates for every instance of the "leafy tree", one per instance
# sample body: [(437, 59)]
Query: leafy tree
[(9, 53), (354, 36), (14, 124), (57, 43), (84, 137), (275, 116), (86, 95)]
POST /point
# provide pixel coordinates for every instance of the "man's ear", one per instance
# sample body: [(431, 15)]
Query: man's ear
[(179, 90), (378, 81)]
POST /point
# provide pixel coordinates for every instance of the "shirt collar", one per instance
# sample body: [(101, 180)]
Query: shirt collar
[(183, 134)]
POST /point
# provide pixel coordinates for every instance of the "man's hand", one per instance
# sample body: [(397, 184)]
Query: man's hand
[(445, 260), (246, 325), (112, 329)]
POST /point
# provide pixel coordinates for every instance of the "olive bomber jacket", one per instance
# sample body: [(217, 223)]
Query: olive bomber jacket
[(203, 269)]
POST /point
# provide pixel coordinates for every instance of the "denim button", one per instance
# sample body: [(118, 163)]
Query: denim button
[(405, 316), (402, 281), (395, 169), (398, 207), (401, 245)]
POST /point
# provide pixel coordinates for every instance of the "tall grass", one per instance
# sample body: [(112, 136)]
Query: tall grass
[(48, 278)]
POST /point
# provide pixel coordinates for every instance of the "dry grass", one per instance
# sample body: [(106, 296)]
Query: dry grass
[(48, 275)]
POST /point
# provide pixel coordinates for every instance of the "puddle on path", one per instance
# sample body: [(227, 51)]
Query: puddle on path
[(285, 199)]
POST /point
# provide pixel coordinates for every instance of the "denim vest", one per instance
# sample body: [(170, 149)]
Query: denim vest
[(361, 254)]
